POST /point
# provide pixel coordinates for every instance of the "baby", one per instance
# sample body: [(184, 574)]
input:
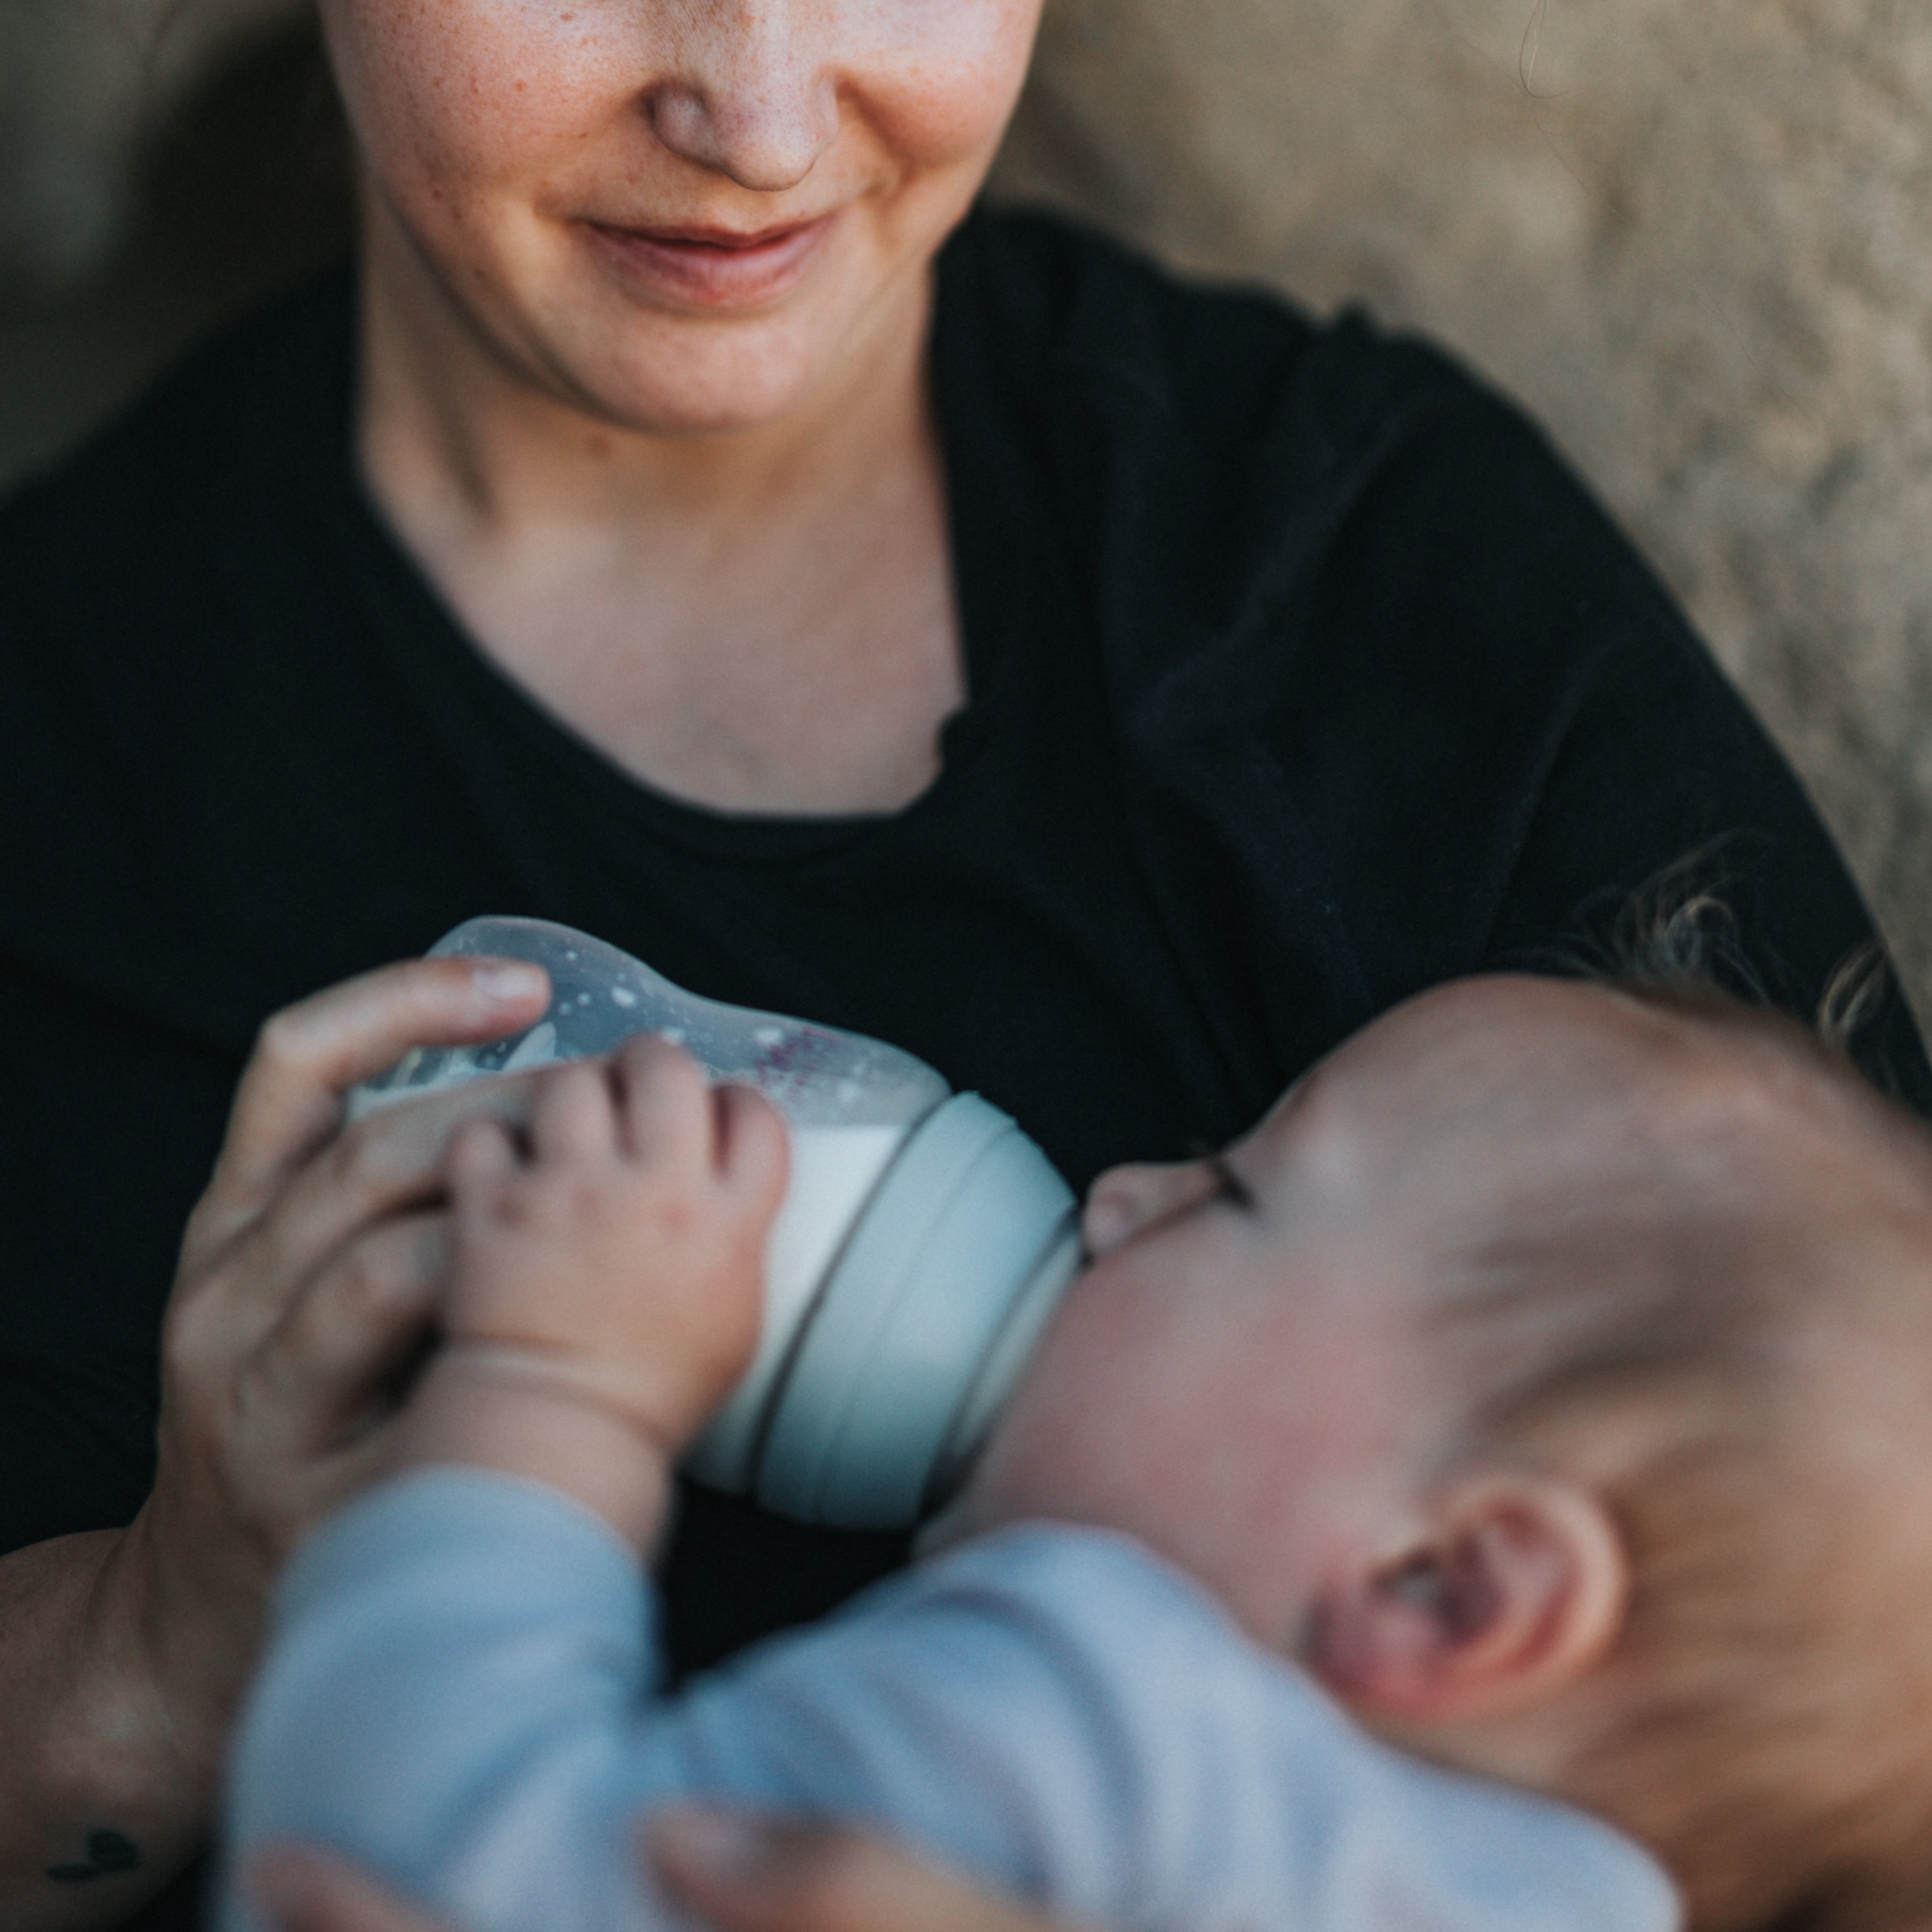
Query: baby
[(1491, 1485)]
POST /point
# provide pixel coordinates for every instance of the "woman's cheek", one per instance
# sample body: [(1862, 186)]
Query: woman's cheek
[(447, 95), (943, 76)]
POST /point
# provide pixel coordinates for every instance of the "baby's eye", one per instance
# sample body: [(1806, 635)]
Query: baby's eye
[(1228, 1186)]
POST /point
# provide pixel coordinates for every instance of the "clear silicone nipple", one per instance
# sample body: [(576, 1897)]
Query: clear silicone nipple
[(819, 1076)]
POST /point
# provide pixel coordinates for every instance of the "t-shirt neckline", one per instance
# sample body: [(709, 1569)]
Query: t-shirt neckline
[(985, 571)]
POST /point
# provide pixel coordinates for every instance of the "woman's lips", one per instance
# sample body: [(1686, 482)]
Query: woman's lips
[(714, 267)]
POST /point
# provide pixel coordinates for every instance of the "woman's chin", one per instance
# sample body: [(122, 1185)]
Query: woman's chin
[(701, 395), (644, 359), (638, 367)]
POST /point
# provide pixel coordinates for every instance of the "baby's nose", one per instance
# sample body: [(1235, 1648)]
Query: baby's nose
[(1125, 1200)]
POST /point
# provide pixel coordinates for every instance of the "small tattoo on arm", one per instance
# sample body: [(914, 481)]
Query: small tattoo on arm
[(108, 1853)]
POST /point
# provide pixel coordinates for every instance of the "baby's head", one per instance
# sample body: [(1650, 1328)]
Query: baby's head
[(1551, 1372)]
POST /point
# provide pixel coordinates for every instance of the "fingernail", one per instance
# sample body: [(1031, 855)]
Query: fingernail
[(503, 982), (720, 1844)]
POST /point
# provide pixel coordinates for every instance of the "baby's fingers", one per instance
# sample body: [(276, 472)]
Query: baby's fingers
[(738, 1873), (482, 1154), (574, 1115), (304, 1890), (754, 1149), (666, 1103)]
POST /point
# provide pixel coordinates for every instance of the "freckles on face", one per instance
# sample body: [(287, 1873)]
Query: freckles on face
[(451, 99), (956, 69), (504, 134)]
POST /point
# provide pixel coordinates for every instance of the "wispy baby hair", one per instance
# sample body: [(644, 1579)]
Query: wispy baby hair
[(1721, 1333)]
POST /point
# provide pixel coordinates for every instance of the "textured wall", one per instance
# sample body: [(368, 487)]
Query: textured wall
[(161, 162), (82, 85), (1696, 238)]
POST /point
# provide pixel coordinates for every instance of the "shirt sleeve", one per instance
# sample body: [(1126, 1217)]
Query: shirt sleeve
[(447, 1700), (458, 1697)]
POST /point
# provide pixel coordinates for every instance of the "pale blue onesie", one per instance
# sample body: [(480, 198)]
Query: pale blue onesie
[(460, 1693)]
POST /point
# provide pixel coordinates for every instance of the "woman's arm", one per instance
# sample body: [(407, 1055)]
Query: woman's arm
[(306, 1274)]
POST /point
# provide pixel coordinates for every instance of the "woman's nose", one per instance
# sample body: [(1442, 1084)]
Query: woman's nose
[(750, 95), (1125, 1200)]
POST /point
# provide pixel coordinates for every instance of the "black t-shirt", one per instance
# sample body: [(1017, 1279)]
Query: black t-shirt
[(1302, 675)]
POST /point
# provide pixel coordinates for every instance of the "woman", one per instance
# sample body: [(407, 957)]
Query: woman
[(1113, 692)]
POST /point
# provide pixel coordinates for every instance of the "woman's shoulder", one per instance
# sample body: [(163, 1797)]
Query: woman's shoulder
[(1358, 612), (1079, 316), (164, 607), (1217, 452)]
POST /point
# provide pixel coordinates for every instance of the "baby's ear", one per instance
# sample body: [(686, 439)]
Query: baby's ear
[(1516, 1586)]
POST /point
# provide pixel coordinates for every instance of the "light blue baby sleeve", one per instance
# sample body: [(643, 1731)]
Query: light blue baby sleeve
[(458, 1695)]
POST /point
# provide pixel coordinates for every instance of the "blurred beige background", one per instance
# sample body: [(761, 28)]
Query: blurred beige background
[(1695, 236)]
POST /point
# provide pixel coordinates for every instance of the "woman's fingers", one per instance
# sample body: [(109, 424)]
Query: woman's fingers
[(738, 1873), (299, 1890), (393, 1161), (310, 1419), (735, 1873), (351, 1327), (309, 1055)]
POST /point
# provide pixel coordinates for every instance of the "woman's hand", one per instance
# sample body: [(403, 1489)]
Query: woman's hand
[(306, 1277), (732, 1873), (739, 1873), (606, 1290)]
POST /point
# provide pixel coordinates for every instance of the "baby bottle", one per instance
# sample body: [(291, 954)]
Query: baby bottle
[(923, 1240)]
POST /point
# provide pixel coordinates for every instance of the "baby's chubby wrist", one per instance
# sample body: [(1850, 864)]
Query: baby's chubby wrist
[(531, 1412)]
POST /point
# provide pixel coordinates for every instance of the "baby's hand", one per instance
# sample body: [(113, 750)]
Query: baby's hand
[(624, 1251)]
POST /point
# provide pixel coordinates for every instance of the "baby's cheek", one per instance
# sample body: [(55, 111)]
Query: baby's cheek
[(1056, 1451)]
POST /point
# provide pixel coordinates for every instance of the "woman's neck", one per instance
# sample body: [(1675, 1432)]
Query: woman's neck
[(757, 619)]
